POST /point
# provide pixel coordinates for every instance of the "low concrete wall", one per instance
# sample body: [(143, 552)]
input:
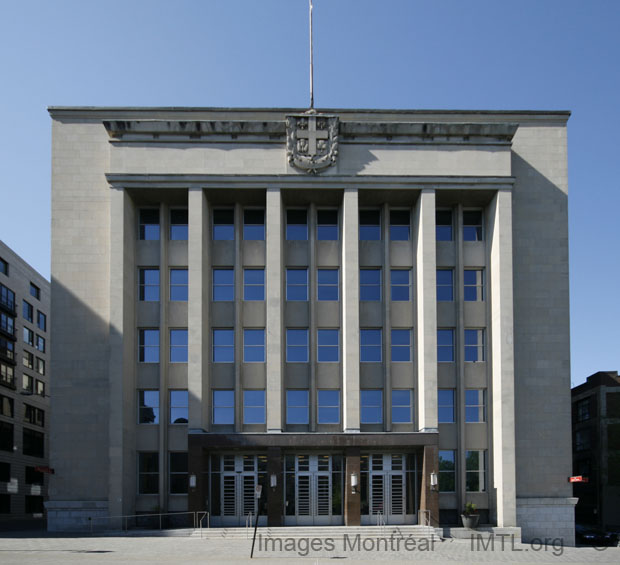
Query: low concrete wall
[(542, 518), (75, 515)]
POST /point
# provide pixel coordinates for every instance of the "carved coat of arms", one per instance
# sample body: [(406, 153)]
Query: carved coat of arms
[(312, 141)]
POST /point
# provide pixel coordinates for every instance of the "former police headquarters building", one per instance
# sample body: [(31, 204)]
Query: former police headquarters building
[(365, 311)]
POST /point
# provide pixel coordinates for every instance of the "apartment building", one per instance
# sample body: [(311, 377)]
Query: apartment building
[(24, 390)]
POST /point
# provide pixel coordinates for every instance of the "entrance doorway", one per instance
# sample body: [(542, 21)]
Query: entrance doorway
[(389, 489), (313, 490), (232, 489)]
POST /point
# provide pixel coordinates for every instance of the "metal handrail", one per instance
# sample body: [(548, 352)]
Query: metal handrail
[(206, 515), (124, 519), (381, 521), (248, 525)]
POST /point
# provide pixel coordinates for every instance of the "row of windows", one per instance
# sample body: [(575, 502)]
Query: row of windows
[(297, 345), (29, 339), (297, 284), (32, 414), (475, 470), (33, 441), (148, 472), (298, 407), (33, 363), (33, 504), (148, 407), (297, 225), (328, 406), (28, 313), (32, 476)]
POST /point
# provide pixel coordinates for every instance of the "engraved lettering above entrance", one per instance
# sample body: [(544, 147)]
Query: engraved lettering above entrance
[(312, 141)]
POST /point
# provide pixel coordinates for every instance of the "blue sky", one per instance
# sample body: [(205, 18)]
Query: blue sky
[(479, 54)]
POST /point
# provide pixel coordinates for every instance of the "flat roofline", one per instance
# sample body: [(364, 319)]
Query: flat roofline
[(53, 109)]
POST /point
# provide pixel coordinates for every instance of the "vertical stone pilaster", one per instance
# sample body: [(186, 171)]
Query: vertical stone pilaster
[(426, 303), (352, 500), (122, 348), (164, 354), (273, 278), (275, 496), (502, 323), (429, 499), (350, 314), (197, 311)]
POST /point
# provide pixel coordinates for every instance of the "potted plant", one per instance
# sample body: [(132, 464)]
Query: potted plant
[(469, 516)]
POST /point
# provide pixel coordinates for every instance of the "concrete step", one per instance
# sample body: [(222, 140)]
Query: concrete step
[(336, 532)]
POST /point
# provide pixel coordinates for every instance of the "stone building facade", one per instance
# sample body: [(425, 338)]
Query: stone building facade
[(365, 312), (24, 391)]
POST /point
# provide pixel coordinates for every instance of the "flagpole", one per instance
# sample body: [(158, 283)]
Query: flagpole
[(311, 62)]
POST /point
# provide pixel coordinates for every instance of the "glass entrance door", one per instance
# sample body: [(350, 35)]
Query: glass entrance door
[(389, 492), (313, 490), (233, 489)]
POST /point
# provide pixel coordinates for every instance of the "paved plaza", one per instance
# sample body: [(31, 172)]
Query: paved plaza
[(26, 548)]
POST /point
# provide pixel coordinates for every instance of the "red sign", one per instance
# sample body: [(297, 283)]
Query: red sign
[(578, 479), (42, 469)]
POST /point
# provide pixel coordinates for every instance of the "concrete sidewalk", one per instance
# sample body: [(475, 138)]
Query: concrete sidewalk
[(24, 548)]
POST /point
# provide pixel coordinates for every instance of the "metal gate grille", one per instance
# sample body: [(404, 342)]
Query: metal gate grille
[(322, 491), (377, 494), (230, 502), (303, 495)]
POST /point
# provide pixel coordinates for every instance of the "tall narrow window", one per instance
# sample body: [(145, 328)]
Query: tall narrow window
[(401, 345), (7, 298), (475, 405), (149, 224), (224, 407), (327, 280), (178, 346), (445, 285), (178, 285), (4, 267), (445, 406), (40, 343), (41, 321), (400, 281), (328, 346), (297, 407), (370, 225), (254, 346), (370, 284), (6, 437), (472, 225), (445, 345), (7, 407), (447, 470), (223, 285), (328, 407), (296, 345), (443, 225), (178, 224), (148, 348), (149, 285), (474, 346), (402, 402), (27, 311), (473, 283), (7, 325), (254, 224), (178, 473), (148, 407), (223, 346), (370, 345), (179, 407), (327, 225), (254, 284), (297, 284), (148, 472), (224, 225), (475, 471), (296, 225), (371, 406), (254, 407), (399, 225)]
